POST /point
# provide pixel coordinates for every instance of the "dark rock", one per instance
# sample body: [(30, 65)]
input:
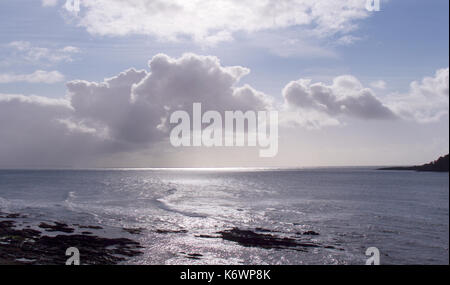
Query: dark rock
[(57, 227), (89, 227), (310, 233), (251, 239), (7, 232), (194, 256), (29, 245), (440, 165), (171, 231), (133, 231), (11, 215), (207, 236), (262, 230)]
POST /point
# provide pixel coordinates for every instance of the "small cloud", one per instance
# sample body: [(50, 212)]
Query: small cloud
[(347, 40), (379, 84), (287, 43), (70, 49), (39, 76), (49, 3), (24, 50)]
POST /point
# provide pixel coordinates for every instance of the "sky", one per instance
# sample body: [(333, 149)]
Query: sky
[(95, 87)]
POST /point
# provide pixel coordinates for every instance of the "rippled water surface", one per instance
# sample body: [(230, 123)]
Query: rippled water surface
[(404, 214)]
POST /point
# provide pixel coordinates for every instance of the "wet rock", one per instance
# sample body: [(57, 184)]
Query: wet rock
[(171, 231), (206, 236), (251, 239), (8, 232), (133, 231), (57, 227), (262, 230), (267, 239), (11, 215), (27, 246), (310, 233), (194, 256), (88, 227)]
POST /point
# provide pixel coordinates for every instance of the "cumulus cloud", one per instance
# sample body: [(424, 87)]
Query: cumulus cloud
[(127, 112), (427, 100), (39, 76), (134, 106), (319, 104), (216, 20), (346, 96)]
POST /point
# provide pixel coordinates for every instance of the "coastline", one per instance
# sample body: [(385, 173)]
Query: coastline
[(24, 244), (46, 244), (439, 165)]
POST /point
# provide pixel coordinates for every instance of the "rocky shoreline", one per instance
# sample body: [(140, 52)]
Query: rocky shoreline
[(45, 243), (269, 239), (21, 244)]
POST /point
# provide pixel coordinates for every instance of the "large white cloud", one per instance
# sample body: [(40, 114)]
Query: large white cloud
[(134, 106), (127, 112), (216, 20)]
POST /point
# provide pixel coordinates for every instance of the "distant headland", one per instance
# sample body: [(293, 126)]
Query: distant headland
[(440, 165)]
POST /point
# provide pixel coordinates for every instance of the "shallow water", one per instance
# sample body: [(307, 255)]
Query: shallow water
[(404, 214)]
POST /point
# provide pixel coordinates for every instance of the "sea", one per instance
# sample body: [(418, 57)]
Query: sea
[(180, 213)]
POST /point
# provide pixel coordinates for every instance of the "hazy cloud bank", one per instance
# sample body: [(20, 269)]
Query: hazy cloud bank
[(129, 112)]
